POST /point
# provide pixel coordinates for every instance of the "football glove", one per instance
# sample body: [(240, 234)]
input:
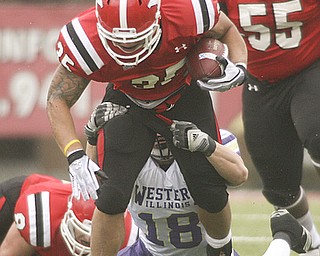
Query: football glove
[(188, 136), (82, 171), (234, 75), (101, 115)]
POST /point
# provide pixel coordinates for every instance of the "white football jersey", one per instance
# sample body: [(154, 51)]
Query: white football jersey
[(163, 209)]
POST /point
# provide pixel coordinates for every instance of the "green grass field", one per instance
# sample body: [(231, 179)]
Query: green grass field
[(250, 224)]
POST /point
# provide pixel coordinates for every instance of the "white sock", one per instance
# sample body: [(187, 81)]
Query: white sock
[(278, 247), (307, 222), (218, 243)]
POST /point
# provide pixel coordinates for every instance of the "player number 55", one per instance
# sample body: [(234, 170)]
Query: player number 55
[(280, 11)]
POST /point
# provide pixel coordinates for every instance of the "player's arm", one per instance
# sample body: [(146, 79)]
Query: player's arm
[(226, 32), (235, 64), (64, 91), (228, 163), (91, 151), (15, 245)]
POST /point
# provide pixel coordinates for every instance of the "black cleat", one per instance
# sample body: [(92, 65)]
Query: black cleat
[(282, 221)]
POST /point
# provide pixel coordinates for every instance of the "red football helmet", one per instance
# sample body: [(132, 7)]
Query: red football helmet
[(129, 29), (76, 226)]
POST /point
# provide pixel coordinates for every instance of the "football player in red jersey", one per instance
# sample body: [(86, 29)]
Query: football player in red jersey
[(37, 217), (141, 46), (281, 97)]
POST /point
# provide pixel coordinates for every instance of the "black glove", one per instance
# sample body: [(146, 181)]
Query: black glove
[(188, 136), (101, 115)]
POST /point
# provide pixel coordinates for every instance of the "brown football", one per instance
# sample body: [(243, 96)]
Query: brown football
[(201, 60)]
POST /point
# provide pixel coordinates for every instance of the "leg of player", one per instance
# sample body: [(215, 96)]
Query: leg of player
[(111, 227), (306, 220), (218, 230)]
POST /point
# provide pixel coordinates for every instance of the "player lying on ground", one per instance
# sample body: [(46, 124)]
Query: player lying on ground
[(38, 217)]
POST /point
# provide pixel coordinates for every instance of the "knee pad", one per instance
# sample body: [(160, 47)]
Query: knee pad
[(281, 199), (106, 200), (213, 201)]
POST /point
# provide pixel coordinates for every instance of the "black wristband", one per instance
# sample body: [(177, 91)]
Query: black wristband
[(211, 148), (92, 137), (75, 155)]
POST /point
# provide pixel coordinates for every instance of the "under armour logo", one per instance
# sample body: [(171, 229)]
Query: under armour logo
[(253, 87), (183, 46), (169, 106)]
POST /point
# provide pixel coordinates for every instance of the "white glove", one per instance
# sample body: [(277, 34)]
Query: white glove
[(188, 136), (101, 115), (82, 175), (234, 75)]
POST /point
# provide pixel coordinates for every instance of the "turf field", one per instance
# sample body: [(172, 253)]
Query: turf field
[(250, 225)]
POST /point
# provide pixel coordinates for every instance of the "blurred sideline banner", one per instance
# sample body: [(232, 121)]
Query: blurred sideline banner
[(28, 34)]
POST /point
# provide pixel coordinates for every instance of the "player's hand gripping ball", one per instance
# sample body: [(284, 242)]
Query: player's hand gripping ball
[(202, 59)]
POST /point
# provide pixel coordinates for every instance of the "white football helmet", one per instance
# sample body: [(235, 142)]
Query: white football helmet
[(161, 153), (229, 140), (75, 227), (129, 29)]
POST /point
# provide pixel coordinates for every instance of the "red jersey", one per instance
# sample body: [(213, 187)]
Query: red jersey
[(182, 22), (282, 36), (38, 214)]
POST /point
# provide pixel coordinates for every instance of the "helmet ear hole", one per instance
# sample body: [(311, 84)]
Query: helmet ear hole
[(129, 22)]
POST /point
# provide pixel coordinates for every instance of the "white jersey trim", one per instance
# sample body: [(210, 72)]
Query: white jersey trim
[(75, 51), (39, 220), (32, 220), (86, 42), (88, 47), (199, 15)]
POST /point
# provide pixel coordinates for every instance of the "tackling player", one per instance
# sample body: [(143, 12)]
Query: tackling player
[(161, 204), (37, 217), (281, 97), (141, 47)]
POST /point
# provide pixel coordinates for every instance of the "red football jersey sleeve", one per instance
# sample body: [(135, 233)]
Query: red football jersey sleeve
[(183, 21), (282, 36), (38, 214)]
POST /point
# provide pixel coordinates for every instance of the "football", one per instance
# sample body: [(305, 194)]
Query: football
[(201, 60)]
